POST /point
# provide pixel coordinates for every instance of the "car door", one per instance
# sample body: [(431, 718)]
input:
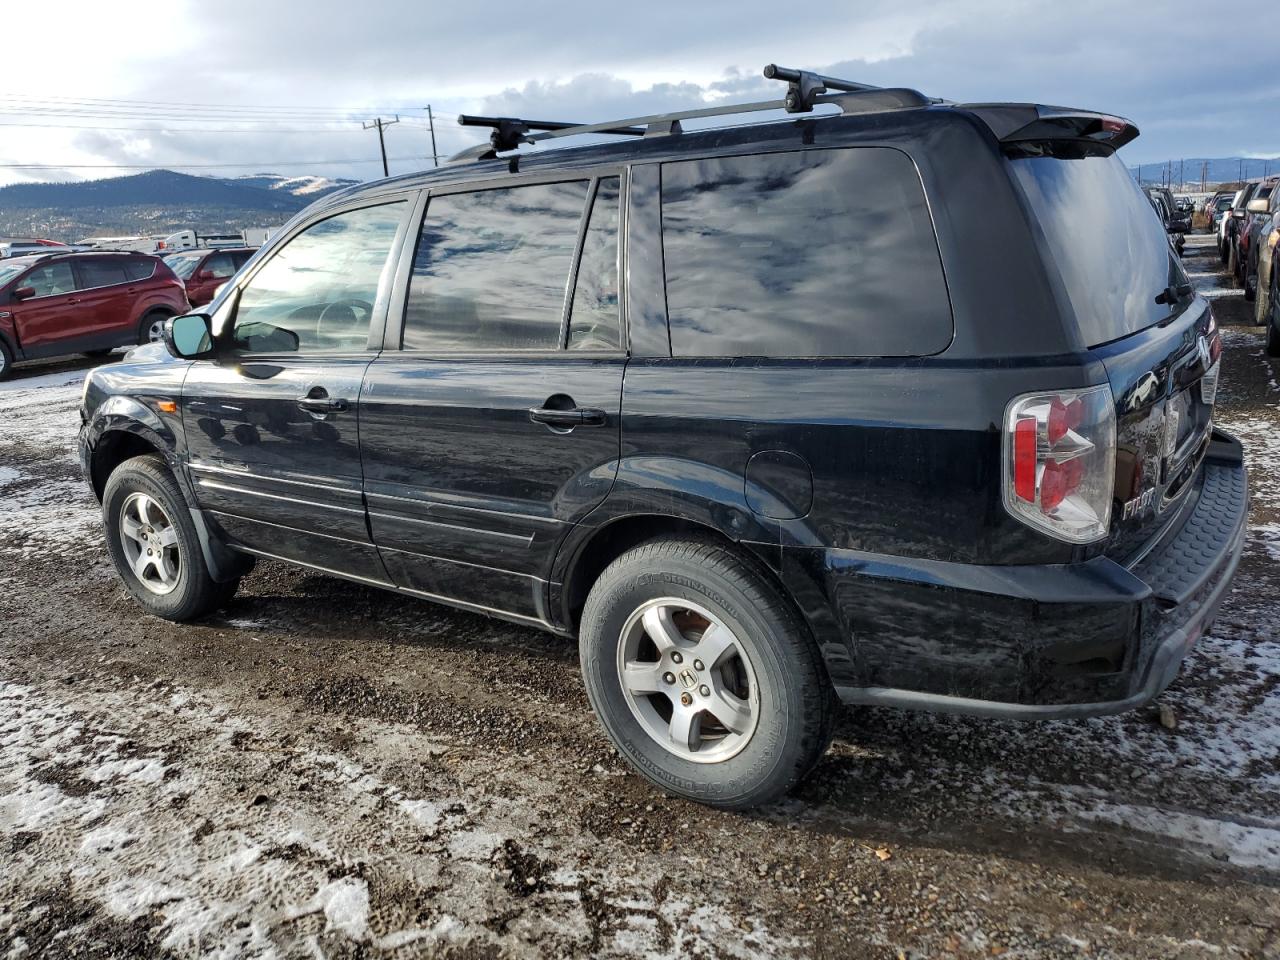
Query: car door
[(48, 321), (272, 425), (490, 425), (216, 270), (106, 296)]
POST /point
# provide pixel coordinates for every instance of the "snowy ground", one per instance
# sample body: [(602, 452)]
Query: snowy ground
[(332, 771)]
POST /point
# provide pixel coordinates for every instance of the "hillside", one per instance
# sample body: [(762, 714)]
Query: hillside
[(158, 201), (1219, 170)]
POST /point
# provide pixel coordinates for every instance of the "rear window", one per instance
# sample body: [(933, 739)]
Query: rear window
[(818, 253), (1105, 240), (102, 273)]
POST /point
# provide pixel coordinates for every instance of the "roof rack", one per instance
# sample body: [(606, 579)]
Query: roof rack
[(805, 90)]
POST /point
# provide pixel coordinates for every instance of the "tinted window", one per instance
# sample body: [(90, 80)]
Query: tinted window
[(102, 273), (1104, 239), (593, 317), (809, 254), (241, 258), (220, 266), (491, 269), (50, 280), (321, 286), (140, 269)]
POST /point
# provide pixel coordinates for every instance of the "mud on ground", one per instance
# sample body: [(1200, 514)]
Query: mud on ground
[(329, 770)]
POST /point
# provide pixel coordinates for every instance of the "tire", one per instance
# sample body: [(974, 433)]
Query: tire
[(177, 584), (699, 590), (145, 325), (1273, 340), (1250, 288), (6, 361)]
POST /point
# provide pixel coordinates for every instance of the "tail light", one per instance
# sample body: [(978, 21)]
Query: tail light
[(1059, 462)]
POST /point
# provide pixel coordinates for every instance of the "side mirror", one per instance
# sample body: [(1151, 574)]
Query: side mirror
[(190, 336), (24, 293), (1260, 205)]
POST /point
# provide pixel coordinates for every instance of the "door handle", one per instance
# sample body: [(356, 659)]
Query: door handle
[(575, 417), (322, 405)]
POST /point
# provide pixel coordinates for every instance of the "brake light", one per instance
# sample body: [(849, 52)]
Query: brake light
[(1060, 462)]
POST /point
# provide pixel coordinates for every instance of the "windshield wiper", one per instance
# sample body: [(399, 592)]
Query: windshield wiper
[(1174, 293)]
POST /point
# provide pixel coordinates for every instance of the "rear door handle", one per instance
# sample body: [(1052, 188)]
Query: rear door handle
[(575, 417)]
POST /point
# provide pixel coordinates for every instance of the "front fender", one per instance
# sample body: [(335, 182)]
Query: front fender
[(121, 415)]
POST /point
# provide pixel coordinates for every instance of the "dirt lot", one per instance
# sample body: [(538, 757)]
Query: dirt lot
[(326, 770)]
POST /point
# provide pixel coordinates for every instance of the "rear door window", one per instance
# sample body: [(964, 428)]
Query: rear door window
[(219, 266), (101, 273), (491, 269), (140, 268), (818, 253)]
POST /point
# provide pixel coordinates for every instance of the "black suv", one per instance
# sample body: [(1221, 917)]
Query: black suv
[(909, 404)]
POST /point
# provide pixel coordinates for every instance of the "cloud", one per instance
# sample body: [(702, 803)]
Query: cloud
[(1156, 63)]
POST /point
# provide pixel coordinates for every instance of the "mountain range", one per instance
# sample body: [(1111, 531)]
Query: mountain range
[(156, 202), (1216, 170)]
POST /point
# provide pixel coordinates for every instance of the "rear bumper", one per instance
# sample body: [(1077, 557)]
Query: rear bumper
[(1037, 642)]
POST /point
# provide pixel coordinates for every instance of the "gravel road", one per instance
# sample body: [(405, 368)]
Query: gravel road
[(327, 770)]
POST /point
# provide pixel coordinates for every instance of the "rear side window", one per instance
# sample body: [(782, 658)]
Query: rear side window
[(491, 269), (102, 273), (219, 266), (593, 318), (820, 253), (140, 269)]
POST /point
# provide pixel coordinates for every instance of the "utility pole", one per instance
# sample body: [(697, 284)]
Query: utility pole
[(431, 122), (1182, 179), (382, 142)]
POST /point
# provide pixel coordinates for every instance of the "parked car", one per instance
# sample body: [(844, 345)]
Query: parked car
[(22, 248), (1177, 219), (1265, 203), (1236, 222), (1226, 225), (842, 447), (1215, 208), (203, 271), (1267, 240), (57, 304)]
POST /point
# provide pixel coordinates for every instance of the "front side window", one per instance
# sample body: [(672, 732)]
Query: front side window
[(102, 273), (491, 269), (816, 253), (317, 292), (50, 280)]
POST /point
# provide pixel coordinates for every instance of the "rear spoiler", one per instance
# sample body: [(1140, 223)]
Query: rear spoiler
[(1028, 122)]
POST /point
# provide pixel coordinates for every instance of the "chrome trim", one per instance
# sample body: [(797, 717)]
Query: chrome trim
[(225, 471), (275, 496), (444, 504), (284, 526), (464, 563), (523, 538)]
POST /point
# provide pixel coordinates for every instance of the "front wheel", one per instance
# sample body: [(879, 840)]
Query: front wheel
[(6, 361), (151, 329), (702, 675), (154, 545)]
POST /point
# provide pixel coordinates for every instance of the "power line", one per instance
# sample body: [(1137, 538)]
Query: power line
[(168, 105), (344, 128), (155, 165)]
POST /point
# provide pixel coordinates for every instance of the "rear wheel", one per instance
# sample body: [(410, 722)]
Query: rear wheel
[(1273, 340), (151, 329), (154, 545), (6, 361), (703, 676)]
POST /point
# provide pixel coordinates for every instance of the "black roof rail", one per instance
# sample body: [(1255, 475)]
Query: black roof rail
[(804, 91)]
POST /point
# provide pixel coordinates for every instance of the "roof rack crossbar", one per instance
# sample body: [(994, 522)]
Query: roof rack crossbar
[(804, 91), (804, 88)]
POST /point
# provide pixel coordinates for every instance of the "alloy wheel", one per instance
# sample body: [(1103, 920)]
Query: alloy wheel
[(155, 332), (150, 542), (688, 680)]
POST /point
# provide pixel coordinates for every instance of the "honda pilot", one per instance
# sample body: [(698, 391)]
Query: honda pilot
[(904, 403)]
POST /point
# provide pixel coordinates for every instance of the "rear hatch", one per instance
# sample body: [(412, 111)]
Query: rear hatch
[(1138, 313)]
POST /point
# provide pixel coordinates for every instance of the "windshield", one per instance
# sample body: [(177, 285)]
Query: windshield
[(184, 265), (1105, 239)]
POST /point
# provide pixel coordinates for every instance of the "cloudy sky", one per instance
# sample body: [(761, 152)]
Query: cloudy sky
[(283, 86)]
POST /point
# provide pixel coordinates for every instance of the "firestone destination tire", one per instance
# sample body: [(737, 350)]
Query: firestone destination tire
[(702, 675)]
